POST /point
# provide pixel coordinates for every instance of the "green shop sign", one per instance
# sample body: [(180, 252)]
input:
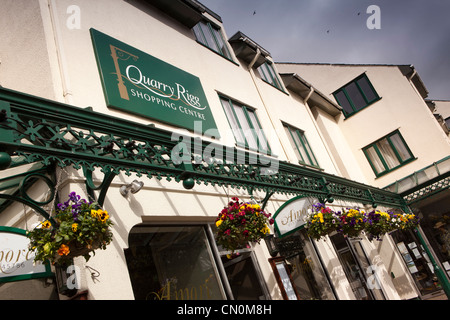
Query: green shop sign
[(139, 83)]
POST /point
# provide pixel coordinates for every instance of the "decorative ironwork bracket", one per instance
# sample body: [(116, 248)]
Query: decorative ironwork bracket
[(51, 132)]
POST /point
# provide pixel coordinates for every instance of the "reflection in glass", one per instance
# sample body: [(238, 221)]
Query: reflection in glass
[(172, 263), (305, 267)]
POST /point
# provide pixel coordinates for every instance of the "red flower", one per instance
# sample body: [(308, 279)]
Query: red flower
[(245, 233)]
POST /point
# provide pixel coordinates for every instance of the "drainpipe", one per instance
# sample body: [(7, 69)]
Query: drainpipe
[(309, 95), (256, 57), (305, 100), (67, 92), (413, 74)]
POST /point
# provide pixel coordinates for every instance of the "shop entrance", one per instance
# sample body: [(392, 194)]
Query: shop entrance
[(310, 278), (357, 268), (243, 277)]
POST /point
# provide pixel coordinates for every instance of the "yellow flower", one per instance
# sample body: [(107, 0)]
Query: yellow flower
[(320, 215), (219, 222), (102, 215), (63, 250), (46, 224), (265, 229), (352, 212), (74, 227)]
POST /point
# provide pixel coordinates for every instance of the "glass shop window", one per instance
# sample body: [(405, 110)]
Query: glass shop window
[(417, 261), (354, 271), (172, 263), (307, 272)]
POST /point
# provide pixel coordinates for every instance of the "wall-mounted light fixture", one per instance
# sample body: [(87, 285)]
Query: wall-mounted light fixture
[(134, 187), (271, 243)]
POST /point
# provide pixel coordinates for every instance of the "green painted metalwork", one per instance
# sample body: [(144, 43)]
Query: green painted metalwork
[(51, 132)]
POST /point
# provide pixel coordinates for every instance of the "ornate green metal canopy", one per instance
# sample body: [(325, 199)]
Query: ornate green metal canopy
[(46, 131)]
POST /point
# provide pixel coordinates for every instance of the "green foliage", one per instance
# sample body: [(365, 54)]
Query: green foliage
[(81, 228)]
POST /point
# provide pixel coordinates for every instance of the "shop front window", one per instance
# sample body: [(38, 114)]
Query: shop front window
[(435, 223), (172, 263), (418, 262), (306, 269)]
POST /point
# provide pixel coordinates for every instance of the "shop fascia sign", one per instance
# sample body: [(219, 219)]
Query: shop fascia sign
[(16, 260), (291, 216), (136, 82)]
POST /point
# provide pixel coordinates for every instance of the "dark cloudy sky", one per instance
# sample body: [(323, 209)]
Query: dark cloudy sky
[(413, 32)]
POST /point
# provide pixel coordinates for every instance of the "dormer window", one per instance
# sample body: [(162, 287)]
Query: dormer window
[(268, 74), (211, 37)]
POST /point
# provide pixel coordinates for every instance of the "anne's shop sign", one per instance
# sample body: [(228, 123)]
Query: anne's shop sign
[(291, 216), (16, 260), (138, 83)]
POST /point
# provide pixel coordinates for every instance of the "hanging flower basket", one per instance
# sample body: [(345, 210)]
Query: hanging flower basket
[(403, 221), (240, 223), (321, 221), (352, 222), (80, 229), (377, 224)]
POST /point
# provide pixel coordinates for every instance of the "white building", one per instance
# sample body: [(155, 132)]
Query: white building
[(99, 94)]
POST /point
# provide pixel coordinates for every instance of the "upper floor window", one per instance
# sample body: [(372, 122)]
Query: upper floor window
[(211, 37), (301, 146), (388, 153), (268, 74), (356, 95), (245, 125)]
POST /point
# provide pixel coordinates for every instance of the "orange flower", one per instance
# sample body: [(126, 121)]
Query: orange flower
[(63, 250)]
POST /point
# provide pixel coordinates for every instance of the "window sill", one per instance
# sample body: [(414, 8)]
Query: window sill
[(395, 168), (310, 166), (272, 85), (218, 53)]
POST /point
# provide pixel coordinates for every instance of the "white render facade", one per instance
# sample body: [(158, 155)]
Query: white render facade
[(46, 51)]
